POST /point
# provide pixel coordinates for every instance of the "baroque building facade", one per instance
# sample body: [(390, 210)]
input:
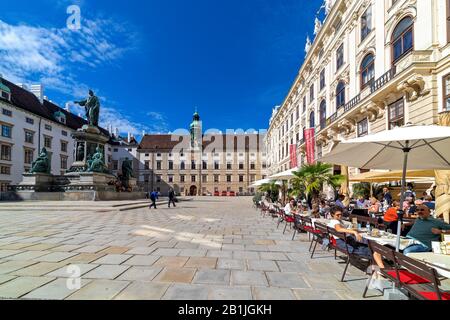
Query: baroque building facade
[(373, 65)]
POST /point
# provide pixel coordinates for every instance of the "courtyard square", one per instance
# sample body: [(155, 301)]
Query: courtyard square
[(208, 248)]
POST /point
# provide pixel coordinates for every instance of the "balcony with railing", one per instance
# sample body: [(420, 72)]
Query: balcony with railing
[(374, 86)]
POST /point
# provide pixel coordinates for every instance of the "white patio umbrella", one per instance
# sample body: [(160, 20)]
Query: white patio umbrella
[(410, 147), (286, 175), (260, 182)]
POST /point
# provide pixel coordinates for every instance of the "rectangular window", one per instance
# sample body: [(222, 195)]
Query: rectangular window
[(146, 178), (304, 104), (158, 179), (193, 178), (48, 142), (322, 79), (193, 165), (63, 146), (363, 128), (29, 120), (7, 112), (229, 166), (396, 114), (170, 179), (204, 178), (6, 153), (182, 165), (205, 165), (5, 170), (241, 166), (182, 178), (241, 178), (48, 127), (28, 156), (252, 166), (366, 23), (29, 137), (147, 165), (115, 165), (6, 131), (171, 165), (311, 94), (115, 150), (158, 165), (216, 178), (216, 165), (447, 93), (252, 178), (298, 112), (228, 178), (64, 133), (340, 57), (63, 163)]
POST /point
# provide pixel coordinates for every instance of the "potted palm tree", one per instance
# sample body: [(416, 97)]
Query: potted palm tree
[(311, 179), (272, 189)]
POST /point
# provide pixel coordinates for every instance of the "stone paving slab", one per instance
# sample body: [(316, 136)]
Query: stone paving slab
[(183, 275), (106, 272), (99, 290), (186, 292), (20, 286), (230, 293), (140, 273), (55, 290), (143, 291)]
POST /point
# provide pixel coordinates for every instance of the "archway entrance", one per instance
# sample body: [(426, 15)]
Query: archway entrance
[(193, 191)]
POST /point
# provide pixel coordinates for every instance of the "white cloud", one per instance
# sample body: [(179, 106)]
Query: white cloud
[(53, 56)]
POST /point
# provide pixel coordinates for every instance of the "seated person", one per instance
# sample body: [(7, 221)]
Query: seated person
[(340, 202), (426, 229), (391, 216), (324, 209), (362, 203), (375, 206), (291, 208), (428, 201), (355, 247)]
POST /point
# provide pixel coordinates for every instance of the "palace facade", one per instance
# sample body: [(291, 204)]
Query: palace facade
[(373, 65)]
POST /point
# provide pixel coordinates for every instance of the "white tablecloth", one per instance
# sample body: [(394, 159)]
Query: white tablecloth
[(391, 240), (434, 260)]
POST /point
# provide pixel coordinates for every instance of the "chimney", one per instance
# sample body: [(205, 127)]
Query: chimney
[(129, 137), (117, 132), (143, 133), (67, 108), (38, 91), (21, 85), (111, 129)]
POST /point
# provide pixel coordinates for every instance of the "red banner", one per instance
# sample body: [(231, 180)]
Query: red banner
[(293, 153), (310, 145)]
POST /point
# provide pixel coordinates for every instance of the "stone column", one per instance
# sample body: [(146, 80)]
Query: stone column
[(345, 189), (443, 180)]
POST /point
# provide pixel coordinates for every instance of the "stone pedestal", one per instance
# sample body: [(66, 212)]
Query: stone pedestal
[(88, 139), (90, 181), (36, 182)]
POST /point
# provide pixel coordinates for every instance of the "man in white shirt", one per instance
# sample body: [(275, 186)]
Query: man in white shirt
[(291, 208)]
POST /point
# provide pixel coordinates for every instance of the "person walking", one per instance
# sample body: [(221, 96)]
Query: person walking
[(153, 198), (172, 198)]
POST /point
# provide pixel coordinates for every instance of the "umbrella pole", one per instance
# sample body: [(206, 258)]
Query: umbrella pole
[(401, 212)]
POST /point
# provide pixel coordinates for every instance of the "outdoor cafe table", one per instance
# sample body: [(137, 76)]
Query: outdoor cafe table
[(390, 240), (440, 262)]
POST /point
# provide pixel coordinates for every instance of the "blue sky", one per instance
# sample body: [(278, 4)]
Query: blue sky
[(152, 62)]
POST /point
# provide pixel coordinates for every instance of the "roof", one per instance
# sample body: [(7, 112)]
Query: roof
[(160, 142), (26, 100), (4, 87)]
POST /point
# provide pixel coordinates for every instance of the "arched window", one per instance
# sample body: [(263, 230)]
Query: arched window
[(323, 114), (312, 120), (402, 38), (367, 70), (340, 94)]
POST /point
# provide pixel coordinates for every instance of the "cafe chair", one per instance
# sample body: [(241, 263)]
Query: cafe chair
[(422, 291)]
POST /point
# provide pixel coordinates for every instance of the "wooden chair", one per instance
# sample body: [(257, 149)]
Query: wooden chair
[(422, 291), (351, 258), (320, 235)]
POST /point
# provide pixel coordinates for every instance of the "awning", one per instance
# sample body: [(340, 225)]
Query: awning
[(286, 175), (377, 176)]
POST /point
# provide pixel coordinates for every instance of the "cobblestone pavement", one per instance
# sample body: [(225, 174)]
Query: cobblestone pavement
[(209, 248)]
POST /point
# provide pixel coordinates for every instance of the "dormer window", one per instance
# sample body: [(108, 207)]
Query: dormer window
[(60, 117), (5, 92)]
